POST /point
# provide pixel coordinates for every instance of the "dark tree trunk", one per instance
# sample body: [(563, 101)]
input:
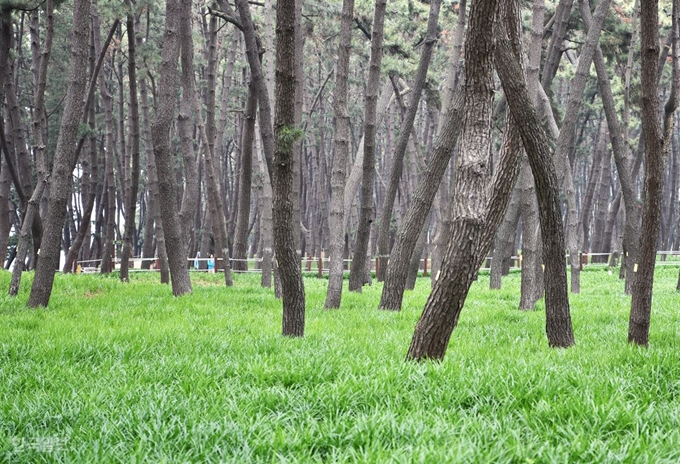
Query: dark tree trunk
[(441, 312), (160, 131), (245, 183), (133, 186), (407, 235), (657, 145), (64, 158), (366, 215), (558, 318), (285, 135)]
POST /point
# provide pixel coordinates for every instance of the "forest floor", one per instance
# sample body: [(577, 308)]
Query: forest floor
[(114, 372)]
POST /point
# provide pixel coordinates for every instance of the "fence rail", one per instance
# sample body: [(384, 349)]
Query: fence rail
[(320, 264)]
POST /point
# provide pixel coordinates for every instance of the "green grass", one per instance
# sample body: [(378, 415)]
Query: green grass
[(127, 373)]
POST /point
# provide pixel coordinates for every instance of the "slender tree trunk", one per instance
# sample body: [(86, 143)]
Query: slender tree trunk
[(366, 216), (558, 318), (64, 158), (160, 131), (243, 217), (339, 167), (404, 135), (131, 200)]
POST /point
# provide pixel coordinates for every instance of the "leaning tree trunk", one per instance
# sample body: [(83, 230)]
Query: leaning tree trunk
[(536, 144), (39, 123), (407, 235), (357, 271), (131, 198), (64, 158), (339, 168), (160, 131), (443, 306), (397, 164), (657, 145), (285, 135)]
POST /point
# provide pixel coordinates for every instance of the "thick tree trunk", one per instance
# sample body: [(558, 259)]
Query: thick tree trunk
[(339, 167), (64, 158), (444, 304), (160, 131), (285, 135), (657, 145), (367, 212)]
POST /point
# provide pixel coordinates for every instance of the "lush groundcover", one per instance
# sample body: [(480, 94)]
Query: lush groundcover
[(114, 372)]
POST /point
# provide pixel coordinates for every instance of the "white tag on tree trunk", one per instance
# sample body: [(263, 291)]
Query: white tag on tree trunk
[(438, 272), (635, 268), (543, 266)]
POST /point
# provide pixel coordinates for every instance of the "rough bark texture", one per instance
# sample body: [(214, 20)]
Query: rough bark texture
[(366, 215), (444, 304), (160, 131), (418, 211), (64, 158), (339, 167), (558, 318), (285, 134), (657, 145), (397, 164)]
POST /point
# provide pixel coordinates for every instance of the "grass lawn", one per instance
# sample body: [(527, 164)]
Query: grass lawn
[(115, 372)]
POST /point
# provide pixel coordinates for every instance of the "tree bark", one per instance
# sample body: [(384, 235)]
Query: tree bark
[(404, 134), (160, 129), (339, 167), (131, 198), (558, 318), (657, 144), (367, 213), (64, 158), (285, 135), (444, 304)]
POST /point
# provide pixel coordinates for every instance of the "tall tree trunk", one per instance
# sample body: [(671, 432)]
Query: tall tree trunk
[(286, 134), (443, 306), (558, 318), (160, 131), (407, 235), (131, 199), (366, 216), (339, 168), (243, 216), (64, 158), (657, 145), (404, 135)]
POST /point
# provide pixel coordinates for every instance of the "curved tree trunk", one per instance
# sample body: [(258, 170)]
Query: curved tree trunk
[(64, 158), (443, 306), (366, 216)]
